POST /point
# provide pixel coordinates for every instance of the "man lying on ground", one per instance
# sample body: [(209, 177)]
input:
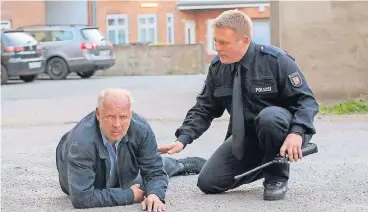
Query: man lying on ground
[(110, 158)]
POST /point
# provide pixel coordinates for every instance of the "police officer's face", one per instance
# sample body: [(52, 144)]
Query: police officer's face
[(114, 119), (230, 46)]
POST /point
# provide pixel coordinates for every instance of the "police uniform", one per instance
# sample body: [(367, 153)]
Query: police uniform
[(276, 101)]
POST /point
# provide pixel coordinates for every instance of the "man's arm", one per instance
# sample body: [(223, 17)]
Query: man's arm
[(297, 96), (154, 177), (200, 116), (81, 177)]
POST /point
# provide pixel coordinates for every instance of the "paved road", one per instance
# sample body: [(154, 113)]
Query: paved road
[(35, 115)]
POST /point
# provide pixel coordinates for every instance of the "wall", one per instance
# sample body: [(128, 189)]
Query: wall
[(330, 44), (204, 15), (133, 9), (19, 12), (67, 12), (157, 60)]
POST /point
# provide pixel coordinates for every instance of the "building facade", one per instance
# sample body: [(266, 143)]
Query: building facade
[(156, 22)]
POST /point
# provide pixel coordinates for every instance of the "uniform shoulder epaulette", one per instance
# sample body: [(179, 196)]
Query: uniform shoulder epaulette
[(215, 60), (272, 50)]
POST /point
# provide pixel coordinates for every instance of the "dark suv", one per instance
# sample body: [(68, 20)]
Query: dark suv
[(21, 56), (73, 48)]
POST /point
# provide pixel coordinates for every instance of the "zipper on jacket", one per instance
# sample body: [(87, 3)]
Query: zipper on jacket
[(117, 163)]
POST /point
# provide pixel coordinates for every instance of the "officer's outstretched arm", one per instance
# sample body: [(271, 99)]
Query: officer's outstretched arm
[(297, 96), (199, 117)]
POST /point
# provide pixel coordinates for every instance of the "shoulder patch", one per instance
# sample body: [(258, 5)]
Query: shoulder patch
[(295, 79), (215, 60), (272, 50)]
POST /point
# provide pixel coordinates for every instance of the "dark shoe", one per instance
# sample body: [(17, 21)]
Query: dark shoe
[(274, 190), (192, 165)]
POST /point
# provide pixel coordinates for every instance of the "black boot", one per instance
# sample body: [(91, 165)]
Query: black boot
[(192, 165), (274, 190)]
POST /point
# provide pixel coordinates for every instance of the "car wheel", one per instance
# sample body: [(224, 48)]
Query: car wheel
[(29, 78), (86, 74), (57, 68), (4, 75)]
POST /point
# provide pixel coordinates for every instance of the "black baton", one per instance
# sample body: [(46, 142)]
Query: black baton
[(308, 149)]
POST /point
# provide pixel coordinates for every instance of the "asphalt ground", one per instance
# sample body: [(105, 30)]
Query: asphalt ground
[(35, 115)]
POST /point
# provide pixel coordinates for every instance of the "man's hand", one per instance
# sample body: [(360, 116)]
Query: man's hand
[(171, 148), (153, 204), (138, 193), (293, 146)]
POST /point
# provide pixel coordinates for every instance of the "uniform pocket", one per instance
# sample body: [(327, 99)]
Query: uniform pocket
[(223, 92), (264, 88)]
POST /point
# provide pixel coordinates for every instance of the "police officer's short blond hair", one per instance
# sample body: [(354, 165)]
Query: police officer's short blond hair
[(236, 20)]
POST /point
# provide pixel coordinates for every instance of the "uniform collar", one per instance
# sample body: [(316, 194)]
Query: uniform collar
[(248, 59)]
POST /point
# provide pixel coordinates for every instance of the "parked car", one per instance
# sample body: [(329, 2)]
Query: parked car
[(21, 56), (73, 48)]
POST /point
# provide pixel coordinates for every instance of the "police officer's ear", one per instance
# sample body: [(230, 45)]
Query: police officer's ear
[(245, 40)]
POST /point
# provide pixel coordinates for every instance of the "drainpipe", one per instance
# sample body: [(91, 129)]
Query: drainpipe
[(94, 12)]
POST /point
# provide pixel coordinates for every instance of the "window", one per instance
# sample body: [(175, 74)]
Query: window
[(190, 31), (210, 42), (170, 28), (117, 28), (93, 35), (147, 28), (40, 36), (261, 31), (20, 39), (5, 24), (51, 35), (61, 35)]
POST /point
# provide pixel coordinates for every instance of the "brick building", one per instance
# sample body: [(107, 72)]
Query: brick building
[(160, 22)]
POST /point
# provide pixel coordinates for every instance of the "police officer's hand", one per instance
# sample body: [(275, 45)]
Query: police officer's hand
[(138, 193), (152, 203), (293, 146), (171, 148)]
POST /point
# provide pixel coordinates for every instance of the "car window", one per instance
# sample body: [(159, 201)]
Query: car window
[(40, 36), (61, 35), (93, 35), (20, 39)]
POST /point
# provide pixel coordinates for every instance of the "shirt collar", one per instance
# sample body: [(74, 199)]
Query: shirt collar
[(105, 141), (248, 59)]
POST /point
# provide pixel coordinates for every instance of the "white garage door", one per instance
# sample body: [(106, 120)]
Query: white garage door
[(261, 31)]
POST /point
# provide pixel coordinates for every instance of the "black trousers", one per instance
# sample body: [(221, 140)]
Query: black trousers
[(271, 128)]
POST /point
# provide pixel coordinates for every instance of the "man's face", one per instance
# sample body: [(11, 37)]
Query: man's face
[(230, 46), (114, 119)]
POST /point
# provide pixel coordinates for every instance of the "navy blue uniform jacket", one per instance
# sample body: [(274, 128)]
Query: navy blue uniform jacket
[(270, 78)]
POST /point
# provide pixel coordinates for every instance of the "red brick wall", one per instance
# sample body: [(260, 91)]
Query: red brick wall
[(133, 9), (23, 12)]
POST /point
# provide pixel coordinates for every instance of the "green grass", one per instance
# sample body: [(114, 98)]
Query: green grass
[(347, 107)]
